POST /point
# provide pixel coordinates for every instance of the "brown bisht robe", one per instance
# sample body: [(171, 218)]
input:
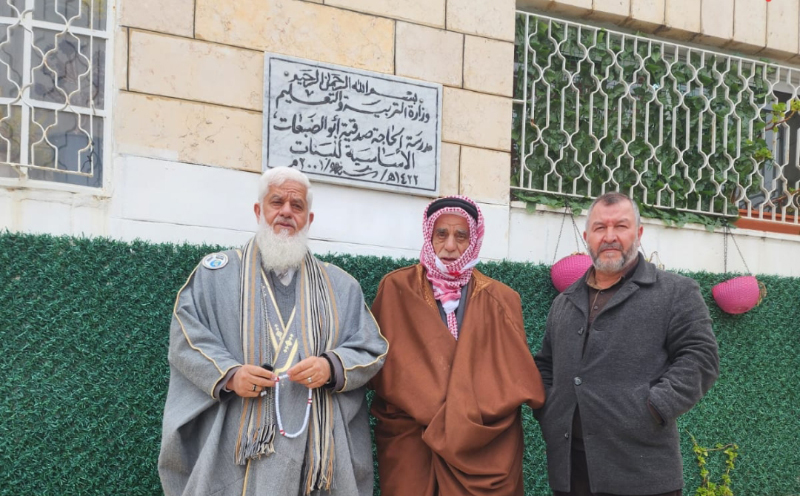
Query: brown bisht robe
[(448, 412)]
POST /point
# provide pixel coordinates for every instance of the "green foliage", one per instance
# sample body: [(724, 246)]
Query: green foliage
[(779, 115), (85, 323), (680, 132)]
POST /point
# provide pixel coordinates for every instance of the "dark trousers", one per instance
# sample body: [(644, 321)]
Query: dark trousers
[(579, 483)]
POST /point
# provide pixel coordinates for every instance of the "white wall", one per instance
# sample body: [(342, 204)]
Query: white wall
[(165, 201), (534, 238), (53, 211)]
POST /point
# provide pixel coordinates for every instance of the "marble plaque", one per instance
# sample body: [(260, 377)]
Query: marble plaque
[(352, 127)]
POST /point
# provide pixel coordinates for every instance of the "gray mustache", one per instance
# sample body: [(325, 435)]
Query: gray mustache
[(615, 246)]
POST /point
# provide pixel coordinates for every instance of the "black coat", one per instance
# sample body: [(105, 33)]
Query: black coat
[(652, 341)]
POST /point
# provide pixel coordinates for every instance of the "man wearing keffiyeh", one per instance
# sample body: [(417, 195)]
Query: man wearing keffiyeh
[(449, 395)]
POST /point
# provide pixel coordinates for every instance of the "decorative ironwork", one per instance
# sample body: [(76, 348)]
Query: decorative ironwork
[(53, 89), (676, 127)]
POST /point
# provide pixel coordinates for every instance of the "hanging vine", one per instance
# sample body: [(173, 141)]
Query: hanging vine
[(707, 486)]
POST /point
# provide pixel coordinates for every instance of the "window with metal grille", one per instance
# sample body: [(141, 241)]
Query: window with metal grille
[(53, 105), (678, 128)]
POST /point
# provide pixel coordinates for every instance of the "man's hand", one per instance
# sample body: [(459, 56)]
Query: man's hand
[(312, 372), (250, 380)]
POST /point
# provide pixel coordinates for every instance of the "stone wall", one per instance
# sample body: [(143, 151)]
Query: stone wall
[(190, 94), (191, 74), (187, 118)]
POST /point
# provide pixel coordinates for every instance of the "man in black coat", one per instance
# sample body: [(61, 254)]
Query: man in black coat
[(627, 349)]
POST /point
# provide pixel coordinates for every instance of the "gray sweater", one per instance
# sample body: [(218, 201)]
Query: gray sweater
[(653, 341)]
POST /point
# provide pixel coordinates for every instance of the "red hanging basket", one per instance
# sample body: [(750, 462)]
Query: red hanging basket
[(569, 269), (738, 295)]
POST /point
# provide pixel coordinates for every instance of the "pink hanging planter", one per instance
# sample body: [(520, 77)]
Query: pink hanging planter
[(569, 269), (738, 295)]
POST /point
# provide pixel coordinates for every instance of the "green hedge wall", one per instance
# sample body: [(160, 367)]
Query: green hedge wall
[(83, 351)]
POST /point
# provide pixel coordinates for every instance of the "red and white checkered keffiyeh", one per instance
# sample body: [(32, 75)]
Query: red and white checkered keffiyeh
[(447, 280)]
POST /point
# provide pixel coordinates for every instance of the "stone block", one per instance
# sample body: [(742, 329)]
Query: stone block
[(494, 19), (488, 65), (476, 119), (53, 212), (495, 239), (682, 18), (572, 7), (130, 230), (89, 219), (717, 22), (300, 29), (449, 170), (429, 54), (121, 59), (646, 15), (533, 237), (7, 210), (611, 9), (172, 193), (783, 19), (485, 175), (196, 70), (535, 4), (323, 246), (428, 12), (367, 217), (749, 25), (183, 131), (36, 215), (172, 16)]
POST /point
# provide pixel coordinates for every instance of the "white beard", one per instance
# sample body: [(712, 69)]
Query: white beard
[(281, 251)]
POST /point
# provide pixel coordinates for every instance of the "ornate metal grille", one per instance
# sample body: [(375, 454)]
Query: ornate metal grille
[(53, 62), (673, 126)]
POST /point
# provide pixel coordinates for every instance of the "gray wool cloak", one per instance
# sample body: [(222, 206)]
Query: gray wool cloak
[(200, 429)]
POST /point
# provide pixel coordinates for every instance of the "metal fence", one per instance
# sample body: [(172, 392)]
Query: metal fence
[(53, 105), (674, 126)]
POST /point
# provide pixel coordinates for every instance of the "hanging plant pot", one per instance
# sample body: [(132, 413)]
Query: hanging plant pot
[(738, 295), (569, 269)]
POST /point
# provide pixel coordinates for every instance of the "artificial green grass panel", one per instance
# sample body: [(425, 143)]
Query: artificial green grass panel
[(83, 347), (756, 401), (84, 340)]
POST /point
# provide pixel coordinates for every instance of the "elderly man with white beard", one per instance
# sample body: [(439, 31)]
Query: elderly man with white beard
[(269, 353)]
